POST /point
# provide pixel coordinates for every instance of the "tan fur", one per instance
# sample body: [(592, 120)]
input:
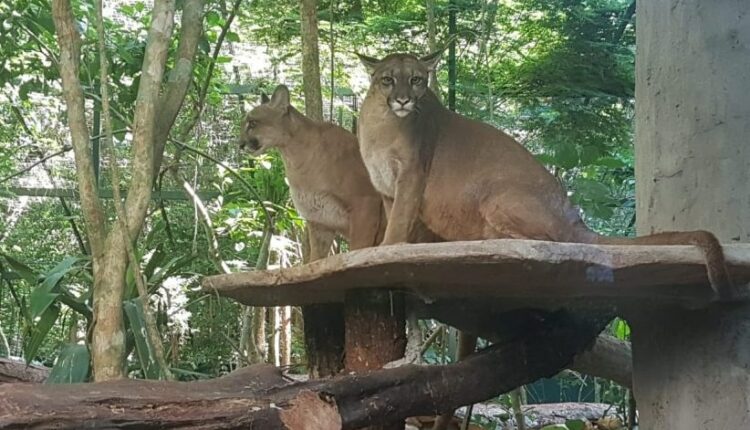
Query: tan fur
[(327, 178), (467, 180)]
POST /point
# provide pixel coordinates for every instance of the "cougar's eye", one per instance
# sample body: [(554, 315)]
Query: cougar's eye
[(251, 124), (386, 80), (417, 80)]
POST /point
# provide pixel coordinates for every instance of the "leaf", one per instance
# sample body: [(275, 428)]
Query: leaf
[(214, 19), (566, 155), (610, 162), (71, 366), (589, 154), (575, 425), (22, 270), (39, 331), (44, 294), (53, 276), (143, 346), (203, 45), (156, 259), (621, 329), (593, 190), (232, 37), (555, 427), (39, 301), (170, 268)]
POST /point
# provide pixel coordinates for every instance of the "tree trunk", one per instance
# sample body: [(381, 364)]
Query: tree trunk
[(259, 332), (251, 343), (690, 368), (311, 60), (452, 11), (108, 249), (247, 336), (432, 43), (285, 338), (275, 349), (108, 332)]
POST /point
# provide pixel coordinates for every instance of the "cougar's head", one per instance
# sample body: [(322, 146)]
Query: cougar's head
[(266, 126), (401, 79)]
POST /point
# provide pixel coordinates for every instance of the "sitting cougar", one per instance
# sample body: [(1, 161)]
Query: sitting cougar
[(467, 180), (327, 178)]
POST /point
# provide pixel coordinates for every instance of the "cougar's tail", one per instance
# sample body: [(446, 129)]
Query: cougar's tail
[(713, 253)]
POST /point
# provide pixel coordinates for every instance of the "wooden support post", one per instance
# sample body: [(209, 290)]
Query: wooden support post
[(690, 368), (375, 329), (324, 338)]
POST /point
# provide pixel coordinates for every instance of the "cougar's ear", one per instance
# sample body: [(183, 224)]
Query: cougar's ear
[(431, 60), (369, 63), (280, 98), (264, 98)]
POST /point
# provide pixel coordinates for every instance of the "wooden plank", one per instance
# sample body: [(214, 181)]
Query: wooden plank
[(506, 268)]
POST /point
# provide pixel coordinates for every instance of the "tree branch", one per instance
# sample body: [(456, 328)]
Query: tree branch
[(36, 163), (70, 53), (152, 72), (232, 172), (179, 77)]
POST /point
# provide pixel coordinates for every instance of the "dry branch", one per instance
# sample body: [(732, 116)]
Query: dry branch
[(608, 358), (259, 397)]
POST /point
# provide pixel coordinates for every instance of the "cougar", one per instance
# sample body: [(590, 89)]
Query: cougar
[(328, 182), (466, 180)]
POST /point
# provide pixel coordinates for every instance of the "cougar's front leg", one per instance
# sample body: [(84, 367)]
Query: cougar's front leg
[(366, 223), (406, 205), (320, 240)]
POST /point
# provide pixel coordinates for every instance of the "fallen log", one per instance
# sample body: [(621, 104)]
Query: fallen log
[(260, 397), (17, 371)]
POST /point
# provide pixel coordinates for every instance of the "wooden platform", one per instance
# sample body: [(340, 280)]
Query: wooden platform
[(493, 269)]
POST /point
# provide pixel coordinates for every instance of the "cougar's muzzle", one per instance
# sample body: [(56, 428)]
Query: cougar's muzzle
[(251, 144), (401, 106)]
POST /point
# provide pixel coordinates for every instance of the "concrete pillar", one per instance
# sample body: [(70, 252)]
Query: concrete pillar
[(691, 368)]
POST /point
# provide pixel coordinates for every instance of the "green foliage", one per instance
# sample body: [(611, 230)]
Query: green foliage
[(143, 345), (71, 366)]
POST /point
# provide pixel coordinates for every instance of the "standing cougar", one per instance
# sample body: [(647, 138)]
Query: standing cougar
[(467, 180), (327, 178)]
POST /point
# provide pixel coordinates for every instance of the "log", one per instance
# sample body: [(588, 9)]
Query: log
[(12, 371), (522, 270), (498, 321), (260, 397), (609, 358)]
